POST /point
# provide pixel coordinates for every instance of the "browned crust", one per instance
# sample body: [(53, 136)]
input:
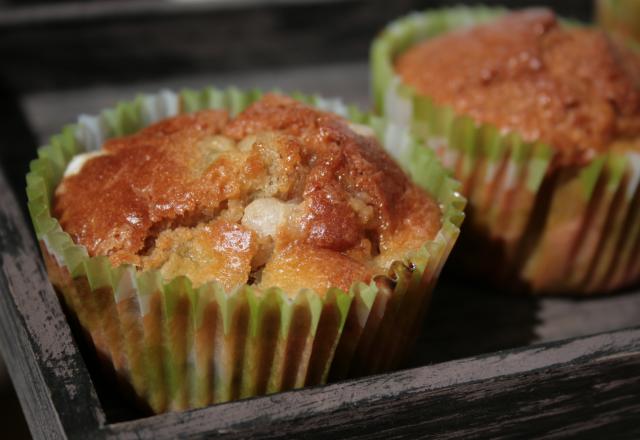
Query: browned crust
[(569, 87), (159, 195)]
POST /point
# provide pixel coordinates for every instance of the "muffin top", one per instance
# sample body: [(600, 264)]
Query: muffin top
[(281, 195), (567, 86)]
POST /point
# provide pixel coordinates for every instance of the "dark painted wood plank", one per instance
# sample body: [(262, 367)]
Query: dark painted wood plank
[(99, 10), (48, 111), (466, 319), (581, 386), (112, 48), (51, 380)]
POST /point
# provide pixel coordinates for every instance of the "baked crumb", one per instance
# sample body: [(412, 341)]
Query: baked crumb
[(281, 195)]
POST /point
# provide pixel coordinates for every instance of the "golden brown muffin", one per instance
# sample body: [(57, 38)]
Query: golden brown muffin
[(281, 195), (567, 86), (540, 122)]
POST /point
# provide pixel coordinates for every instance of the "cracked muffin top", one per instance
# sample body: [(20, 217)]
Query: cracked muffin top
[(281, 195), (570, 87)]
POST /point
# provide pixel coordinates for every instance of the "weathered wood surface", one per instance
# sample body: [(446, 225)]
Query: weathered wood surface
[(52, 383), (588, 387)]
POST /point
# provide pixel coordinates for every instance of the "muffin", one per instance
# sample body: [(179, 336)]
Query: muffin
[(217, 245), (540, 121)]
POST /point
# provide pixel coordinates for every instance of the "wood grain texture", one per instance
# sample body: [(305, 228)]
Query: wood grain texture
[(49, 375), (584, 386)]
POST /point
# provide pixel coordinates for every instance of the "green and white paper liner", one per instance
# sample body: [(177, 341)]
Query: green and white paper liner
[(183, 347), (553, 230), (620, 18)]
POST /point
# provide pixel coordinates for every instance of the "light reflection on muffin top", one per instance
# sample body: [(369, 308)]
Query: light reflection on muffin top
[(281, 195)]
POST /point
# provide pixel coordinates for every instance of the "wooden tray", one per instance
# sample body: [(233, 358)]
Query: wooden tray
[(487, 365)]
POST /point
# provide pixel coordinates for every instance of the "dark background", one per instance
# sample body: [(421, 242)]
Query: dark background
[(56, 46)]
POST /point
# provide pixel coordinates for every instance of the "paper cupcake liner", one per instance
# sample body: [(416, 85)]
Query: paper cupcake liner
[(183, 347), (620, 18), (539, 227)]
